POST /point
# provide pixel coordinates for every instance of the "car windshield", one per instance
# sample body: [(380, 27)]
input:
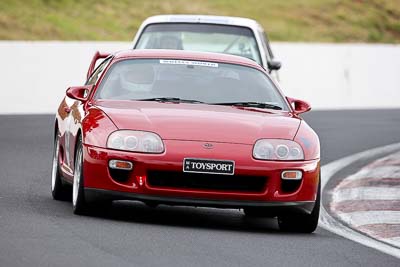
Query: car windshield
[(183, 80), (225, 39)]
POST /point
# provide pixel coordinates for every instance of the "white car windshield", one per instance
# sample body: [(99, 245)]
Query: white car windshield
[(225, 39), (200, 81)]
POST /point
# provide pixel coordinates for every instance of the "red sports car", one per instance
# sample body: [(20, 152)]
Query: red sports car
[(187, 128)]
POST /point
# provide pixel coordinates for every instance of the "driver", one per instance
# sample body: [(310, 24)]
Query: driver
[(138, 78)]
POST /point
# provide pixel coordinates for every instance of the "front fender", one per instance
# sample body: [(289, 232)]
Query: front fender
[(309, 141), (96, 126)]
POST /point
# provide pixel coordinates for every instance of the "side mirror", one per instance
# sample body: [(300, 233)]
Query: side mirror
[(274, 65), (299, 106), (79, 92)]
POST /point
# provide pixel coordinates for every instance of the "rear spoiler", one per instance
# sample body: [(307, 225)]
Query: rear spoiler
[(98, 55)]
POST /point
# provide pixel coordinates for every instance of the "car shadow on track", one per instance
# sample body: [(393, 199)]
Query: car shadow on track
[(207, 218)]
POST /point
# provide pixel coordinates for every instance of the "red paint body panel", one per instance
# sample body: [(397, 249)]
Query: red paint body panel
[(184, 128), (201, 122)]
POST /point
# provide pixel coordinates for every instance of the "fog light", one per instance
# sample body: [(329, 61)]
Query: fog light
[(120, 165), (292, 175)]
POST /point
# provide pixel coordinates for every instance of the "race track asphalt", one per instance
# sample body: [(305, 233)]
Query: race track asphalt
[(38, 231)]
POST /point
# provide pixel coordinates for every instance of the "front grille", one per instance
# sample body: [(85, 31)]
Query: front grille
[(238, 183)]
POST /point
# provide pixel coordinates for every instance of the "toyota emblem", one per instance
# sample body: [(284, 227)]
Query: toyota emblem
[(208, 146)]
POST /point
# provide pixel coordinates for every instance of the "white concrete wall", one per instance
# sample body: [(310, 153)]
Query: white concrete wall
[(35, 75), (338, 76)]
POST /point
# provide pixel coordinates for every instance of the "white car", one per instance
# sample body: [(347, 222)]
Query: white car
[(229, 35)]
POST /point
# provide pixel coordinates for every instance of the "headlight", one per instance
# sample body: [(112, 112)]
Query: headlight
[(137, 141), (277, 149)]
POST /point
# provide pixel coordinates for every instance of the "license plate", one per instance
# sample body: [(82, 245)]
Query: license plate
[(226, 167)]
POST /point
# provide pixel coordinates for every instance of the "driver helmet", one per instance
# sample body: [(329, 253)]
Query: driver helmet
[(138, 78)]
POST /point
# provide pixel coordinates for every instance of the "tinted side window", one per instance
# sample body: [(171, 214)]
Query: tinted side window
[(98, 71)]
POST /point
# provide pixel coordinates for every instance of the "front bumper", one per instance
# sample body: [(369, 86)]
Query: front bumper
[(99, 182), (273, 206)]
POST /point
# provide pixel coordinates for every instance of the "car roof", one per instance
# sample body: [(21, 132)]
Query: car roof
[(207, 19), (186, 55)]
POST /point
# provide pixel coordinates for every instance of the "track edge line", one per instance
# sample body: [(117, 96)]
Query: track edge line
[(331, 224)]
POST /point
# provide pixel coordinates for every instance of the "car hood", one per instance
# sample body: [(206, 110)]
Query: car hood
[(201, 122)]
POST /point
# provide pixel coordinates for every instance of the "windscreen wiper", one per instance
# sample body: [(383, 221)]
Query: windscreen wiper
[(169, 99), (250, 104)]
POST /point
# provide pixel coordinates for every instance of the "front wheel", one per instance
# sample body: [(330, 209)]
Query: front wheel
[(303, 223), (79, 205), (58, 189)]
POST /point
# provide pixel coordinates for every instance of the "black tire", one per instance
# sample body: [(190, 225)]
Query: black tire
[(59, 191), (258, 213), (302, 223), (79, 205)]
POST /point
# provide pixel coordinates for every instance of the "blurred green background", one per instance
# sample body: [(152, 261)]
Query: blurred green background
[(376, 21)]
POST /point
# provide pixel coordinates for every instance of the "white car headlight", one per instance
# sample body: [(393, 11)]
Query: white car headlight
[(137, 141), (277, 149)]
